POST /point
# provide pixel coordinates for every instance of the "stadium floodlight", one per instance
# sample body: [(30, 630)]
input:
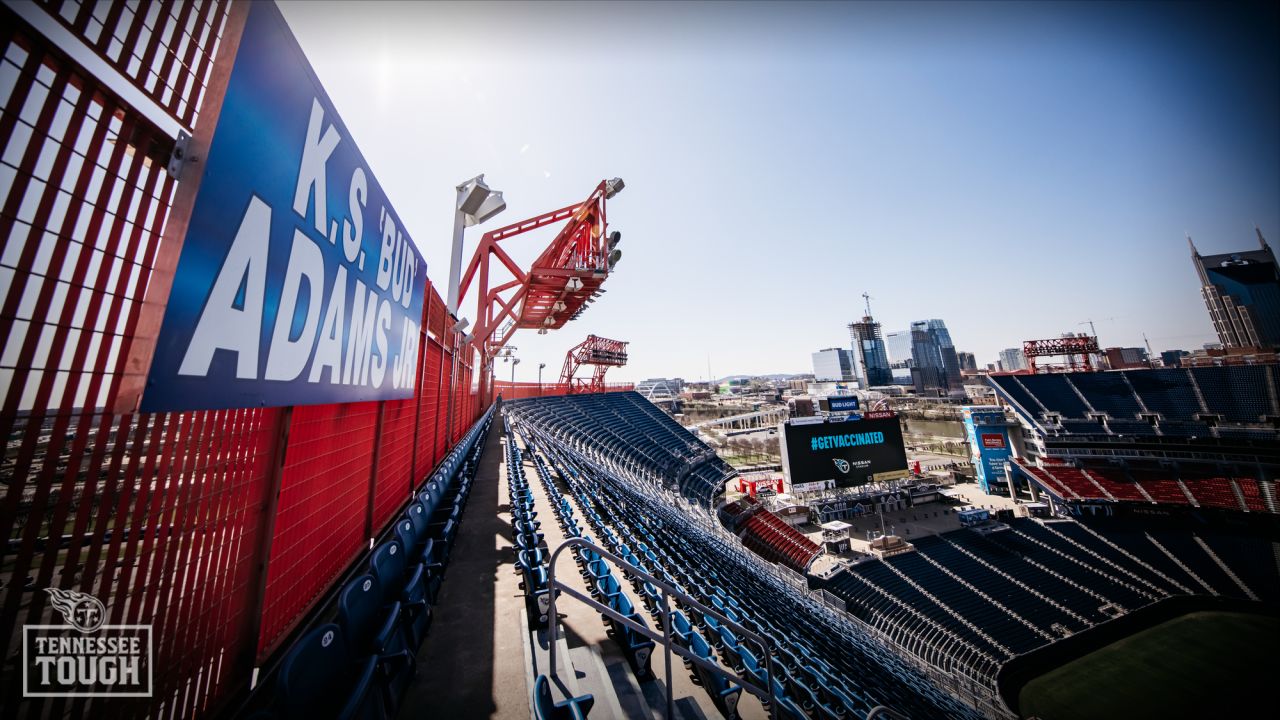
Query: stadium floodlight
[(461, 325), (613, 187), (615, 237), (476, 200), (574, 284), (476, 203), (491, 206), (557, 306), (466, 339), (614, 257)]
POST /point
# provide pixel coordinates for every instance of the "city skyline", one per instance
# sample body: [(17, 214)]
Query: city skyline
[(1016, 170)]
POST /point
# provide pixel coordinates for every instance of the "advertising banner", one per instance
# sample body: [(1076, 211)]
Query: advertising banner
[(988, 437), (844, 404), (297, 284), (853, 452)]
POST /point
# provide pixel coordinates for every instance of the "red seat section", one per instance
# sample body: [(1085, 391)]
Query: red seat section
[(773, 539), (1214, 492), (1252, 494), (1118, 484)]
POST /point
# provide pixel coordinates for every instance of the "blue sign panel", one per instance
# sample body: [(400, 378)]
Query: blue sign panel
[(297, 284), (988, 444), (843, 404)]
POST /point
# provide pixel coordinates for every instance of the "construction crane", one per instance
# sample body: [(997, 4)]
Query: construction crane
[(1092, 330), (867, 298), (556, 288), (599, 352)]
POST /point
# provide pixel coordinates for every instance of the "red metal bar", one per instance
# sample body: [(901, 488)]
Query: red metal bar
[(183, 78)]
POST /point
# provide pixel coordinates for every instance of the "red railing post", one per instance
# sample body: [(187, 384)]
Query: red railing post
[(266, 525)]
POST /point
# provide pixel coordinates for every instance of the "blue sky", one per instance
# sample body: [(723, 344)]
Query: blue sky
[(1011, 169)]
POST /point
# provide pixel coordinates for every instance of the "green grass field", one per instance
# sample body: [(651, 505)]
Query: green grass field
[(1201, 665)]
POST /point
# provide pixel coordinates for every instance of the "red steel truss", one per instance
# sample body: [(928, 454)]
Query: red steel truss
[(1083, 346), (563, 279), (601, 353)]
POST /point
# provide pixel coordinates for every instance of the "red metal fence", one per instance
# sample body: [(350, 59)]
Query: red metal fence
[(221, 529), (519, 391)]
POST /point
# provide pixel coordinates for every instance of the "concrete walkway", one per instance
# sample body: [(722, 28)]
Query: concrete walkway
[(472, 663)]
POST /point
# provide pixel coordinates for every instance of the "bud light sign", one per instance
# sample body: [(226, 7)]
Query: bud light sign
[(297, 284), (844, 404)]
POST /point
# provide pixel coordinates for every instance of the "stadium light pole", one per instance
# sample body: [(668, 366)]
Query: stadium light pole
[(476, 203)]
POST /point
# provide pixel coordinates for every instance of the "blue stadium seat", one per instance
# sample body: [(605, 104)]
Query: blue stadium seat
[(319, 678), (546, 708), (405, 583), (681, 630), (410, 532), (374, 628), (608, 589), (635, 646), (723, 693)]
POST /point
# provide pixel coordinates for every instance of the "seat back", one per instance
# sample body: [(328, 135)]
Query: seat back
[(419, 517), (680, 625), (387, 565), (750, 662), (544, 707), (530, 558), (698, 646), (407, 537), (727, 637), (436, 491), (313, 674), (712, 623), (360, 612), (608, 586)]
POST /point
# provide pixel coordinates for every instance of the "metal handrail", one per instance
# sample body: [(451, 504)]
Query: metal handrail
[(665, 637)]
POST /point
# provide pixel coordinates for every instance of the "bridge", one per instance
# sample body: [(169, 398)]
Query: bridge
[(767, 417)]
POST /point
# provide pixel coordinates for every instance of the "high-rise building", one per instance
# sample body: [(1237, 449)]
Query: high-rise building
[(968, 361), (1012, 359), (833, 365), (1122, 358), (934, 356), (869, 353), (898, 346), (950, 360), (1242, 292)]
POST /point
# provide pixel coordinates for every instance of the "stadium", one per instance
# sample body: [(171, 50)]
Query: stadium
[(250, 474)]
